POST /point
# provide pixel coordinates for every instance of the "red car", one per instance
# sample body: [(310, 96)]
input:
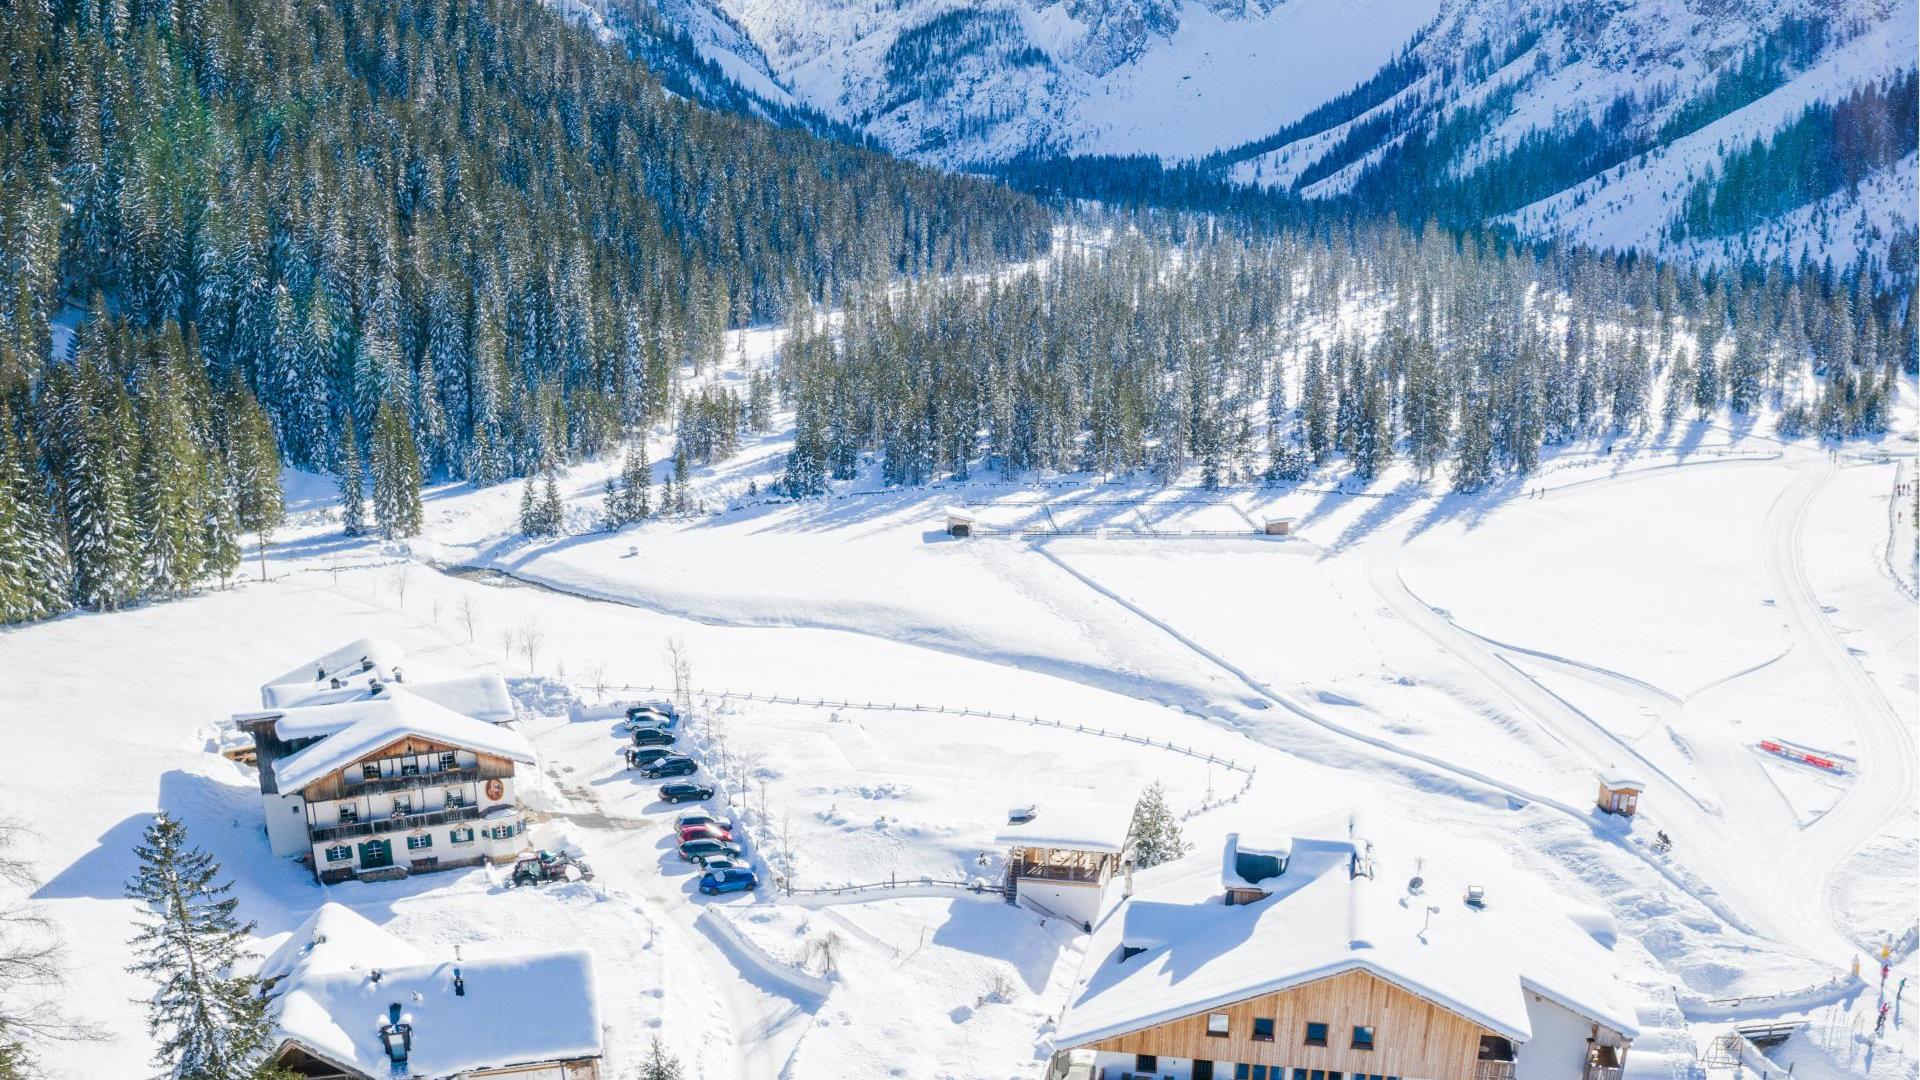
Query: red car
[(704, 832)]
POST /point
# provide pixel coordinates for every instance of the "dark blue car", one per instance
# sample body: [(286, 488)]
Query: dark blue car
[(685, 791), (739, 879), (671, 766)]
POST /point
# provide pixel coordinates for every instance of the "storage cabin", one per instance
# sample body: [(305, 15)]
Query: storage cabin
[(1277, 526), (1620, 793), (960, 522), (1062, 859)]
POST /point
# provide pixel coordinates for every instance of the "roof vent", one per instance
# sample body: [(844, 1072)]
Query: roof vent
[(459, 984), (1476, 897), (374, 975), (1020, 815), (374, 686)]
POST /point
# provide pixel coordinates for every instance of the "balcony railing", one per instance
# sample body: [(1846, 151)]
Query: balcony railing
[(1604, 1072), (397, 823), (1493, 1070), (431, 778), (1041, 872)]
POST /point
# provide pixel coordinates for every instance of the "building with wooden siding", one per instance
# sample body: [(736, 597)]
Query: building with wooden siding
[(1062, 859), (376, 779), (350, 1001), (1316, 955)]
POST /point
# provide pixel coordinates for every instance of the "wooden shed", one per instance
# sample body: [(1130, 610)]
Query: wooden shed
[(1277, 526), (960, 522), (1620, 793)]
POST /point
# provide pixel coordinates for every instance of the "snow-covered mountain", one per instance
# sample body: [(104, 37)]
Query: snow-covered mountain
[(1590, 120)]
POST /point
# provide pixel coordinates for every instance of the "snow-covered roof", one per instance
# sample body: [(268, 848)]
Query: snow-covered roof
[(369, 724), (1620, 778), (960, 512), (336, 938), (1320, 920), (1082, 826), (361, 665), (354, 661), (515, 1009)]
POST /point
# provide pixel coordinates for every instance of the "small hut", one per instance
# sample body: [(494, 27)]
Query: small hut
[(1620, 793), (1275, 525), (960, 522)]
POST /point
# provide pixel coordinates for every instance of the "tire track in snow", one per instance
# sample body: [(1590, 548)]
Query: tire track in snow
[(1405, 759)]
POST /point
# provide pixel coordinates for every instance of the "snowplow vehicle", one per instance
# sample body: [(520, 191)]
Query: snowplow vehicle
[(541, 867)]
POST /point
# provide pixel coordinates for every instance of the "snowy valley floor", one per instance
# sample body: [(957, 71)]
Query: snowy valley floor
[(1466, 661)]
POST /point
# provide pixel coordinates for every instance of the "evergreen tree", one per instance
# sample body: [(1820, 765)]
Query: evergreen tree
[(210, 1023), (96, 446), (34, 575), (396, 474), (553, 512), (254, 462), (629, 495), (353, 499), (1154, 834), (660, 1065)]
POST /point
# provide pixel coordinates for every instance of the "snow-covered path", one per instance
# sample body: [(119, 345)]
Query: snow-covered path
[(1740, 847)]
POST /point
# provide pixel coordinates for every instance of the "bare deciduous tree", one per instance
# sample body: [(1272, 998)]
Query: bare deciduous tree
[(400, 577), (532, 638), (682, 668), (32, 966), (469, 615)]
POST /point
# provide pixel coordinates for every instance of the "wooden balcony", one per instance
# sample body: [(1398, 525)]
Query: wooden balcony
[(1493, 1070), (1604, 1072), (396, 823), (437, 778)]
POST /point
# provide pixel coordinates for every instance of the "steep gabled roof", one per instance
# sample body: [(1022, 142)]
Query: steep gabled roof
[(1322, 919), (514, 1009), (354, 730)]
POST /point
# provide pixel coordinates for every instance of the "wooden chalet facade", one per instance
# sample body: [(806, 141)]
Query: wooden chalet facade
[(1351, 1026)]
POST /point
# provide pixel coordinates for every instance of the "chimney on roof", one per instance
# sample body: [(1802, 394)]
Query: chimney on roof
[(396, 1036), (374, 976), (459, 984), (374, 686)]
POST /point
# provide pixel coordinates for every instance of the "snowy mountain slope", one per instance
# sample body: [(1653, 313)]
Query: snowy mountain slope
[(1571, 119), (1634, 206)]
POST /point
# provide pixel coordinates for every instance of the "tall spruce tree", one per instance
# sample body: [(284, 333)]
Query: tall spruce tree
[(34, 576), (397, 508), (1154, 834), (210, 1023), (352, 484)]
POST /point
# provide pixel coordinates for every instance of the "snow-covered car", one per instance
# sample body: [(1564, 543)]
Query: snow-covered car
[(675, 765), (702, 817)]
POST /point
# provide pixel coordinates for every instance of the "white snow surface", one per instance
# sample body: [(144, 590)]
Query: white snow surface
[(1390, 654)]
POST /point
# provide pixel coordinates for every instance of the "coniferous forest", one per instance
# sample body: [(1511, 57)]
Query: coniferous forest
[(404, 240), (453, 239)]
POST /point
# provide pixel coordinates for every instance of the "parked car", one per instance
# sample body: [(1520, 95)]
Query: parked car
[(702, 817), (647, 716), (646, 755), (722, 862), (657, 708), (675, 765), (653, 736), (700, 850), (732, 879), (685, 791), (704, 832)]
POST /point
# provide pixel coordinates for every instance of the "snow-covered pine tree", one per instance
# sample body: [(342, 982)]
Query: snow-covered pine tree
[(210, 1023), (396, 474), (254, 462), (34, 575), (660, 1065), (1154, 835), (530, 523), (353, 498), (94, 429), (629, 495), (553, 512)]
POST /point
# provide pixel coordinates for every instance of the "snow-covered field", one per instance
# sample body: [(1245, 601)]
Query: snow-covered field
[(1465, 661)]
